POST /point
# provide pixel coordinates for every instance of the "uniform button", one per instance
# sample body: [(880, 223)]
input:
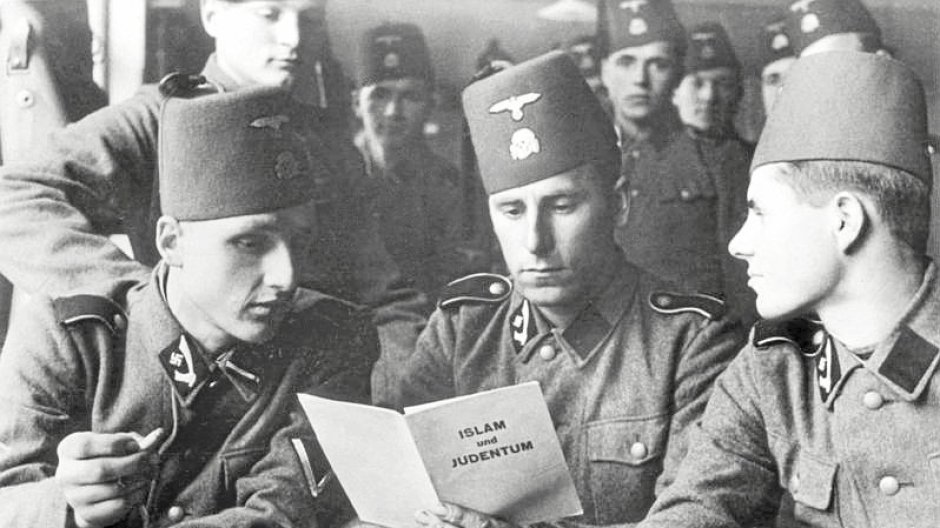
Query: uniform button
[(497, 288), (889, 485), (638, 450), (547, 352), (819, 337), (120, 322), (685, 194), (175, 514), (873, 400), (634, 193)]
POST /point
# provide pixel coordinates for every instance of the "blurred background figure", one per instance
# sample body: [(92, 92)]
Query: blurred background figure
[(831, 25), (776, 58), (708, 95), (415, 193)]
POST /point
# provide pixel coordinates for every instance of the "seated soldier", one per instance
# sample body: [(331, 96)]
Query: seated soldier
[(625, 364), (178, 405), (840, 410)]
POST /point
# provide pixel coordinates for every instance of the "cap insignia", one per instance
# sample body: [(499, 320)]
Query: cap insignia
[(388, 40), (523, 144), (523, 326), (392, 61), (286, 166), (708, 52), (779, 42), (638, 27), (809, 23), (801, 5), (274, 122), (633, 5), (515, 104)]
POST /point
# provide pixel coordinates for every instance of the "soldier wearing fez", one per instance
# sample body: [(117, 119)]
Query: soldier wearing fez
[(625, 362), (683, 188), (416, 194), (832, 25), (776, 56), (839, 410), (99, 176), (176, 404)]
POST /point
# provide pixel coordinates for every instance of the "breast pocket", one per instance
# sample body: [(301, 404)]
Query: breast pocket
[(812, 483), (236, 464), (625, 457)]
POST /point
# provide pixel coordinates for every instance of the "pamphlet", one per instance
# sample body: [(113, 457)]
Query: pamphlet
[(494, 451)]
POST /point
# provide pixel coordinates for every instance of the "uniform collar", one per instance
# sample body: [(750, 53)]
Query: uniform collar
[(217, 76), (529, 327), (185, 365), (908, 358)]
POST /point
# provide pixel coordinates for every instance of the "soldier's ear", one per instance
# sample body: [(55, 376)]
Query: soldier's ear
[(168, 237), (851, 221)]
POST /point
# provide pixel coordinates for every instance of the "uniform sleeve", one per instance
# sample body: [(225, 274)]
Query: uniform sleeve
[(427, 375), (80, 184), (728, 478), (40, 403), (702, 360)]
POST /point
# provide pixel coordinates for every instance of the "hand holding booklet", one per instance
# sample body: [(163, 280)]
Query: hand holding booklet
[(494, 451)]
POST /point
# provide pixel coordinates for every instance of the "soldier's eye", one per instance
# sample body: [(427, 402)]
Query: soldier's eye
[(268, 12), (250, 243)]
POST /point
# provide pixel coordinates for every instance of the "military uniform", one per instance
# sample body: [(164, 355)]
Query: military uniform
[(416, 197), (417, 206), (104, 168), (687, 197), (237, 452), (622, 382), (851, 434)]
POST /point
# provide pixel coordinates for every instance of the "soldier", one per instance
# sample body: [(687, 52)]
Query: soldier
[(416, 193), (625, 362), (832, 25), (98, 176), (841, 412), (687, 198), (708, 95), (175, 402), (642, 45), (776, 58)]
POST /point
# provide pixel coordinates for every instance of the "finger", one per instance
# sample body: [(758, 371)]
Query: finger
[(94, 493), (106, 469), (465, 517), (86, 444), (104, 513)]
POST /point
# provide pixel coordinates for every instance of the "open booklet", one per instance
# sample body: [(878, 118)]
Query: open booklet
[(494, 451)]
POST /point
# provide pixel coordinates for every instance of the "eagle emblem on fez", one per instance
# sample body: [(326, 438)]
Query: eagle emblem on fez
[(286, 166), (514, 105), (523, 144)]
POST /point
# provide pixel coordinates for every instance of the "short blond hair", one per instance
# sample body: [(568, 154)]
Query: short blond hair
[(901, 199)]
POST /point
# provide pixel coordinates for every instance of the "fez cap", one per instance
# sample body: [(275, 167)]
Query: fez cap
[(775, 42), (811, 20), (709, 48), (536, 120), (628, 23), (233, 154), (849, 106), (394, 51)]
